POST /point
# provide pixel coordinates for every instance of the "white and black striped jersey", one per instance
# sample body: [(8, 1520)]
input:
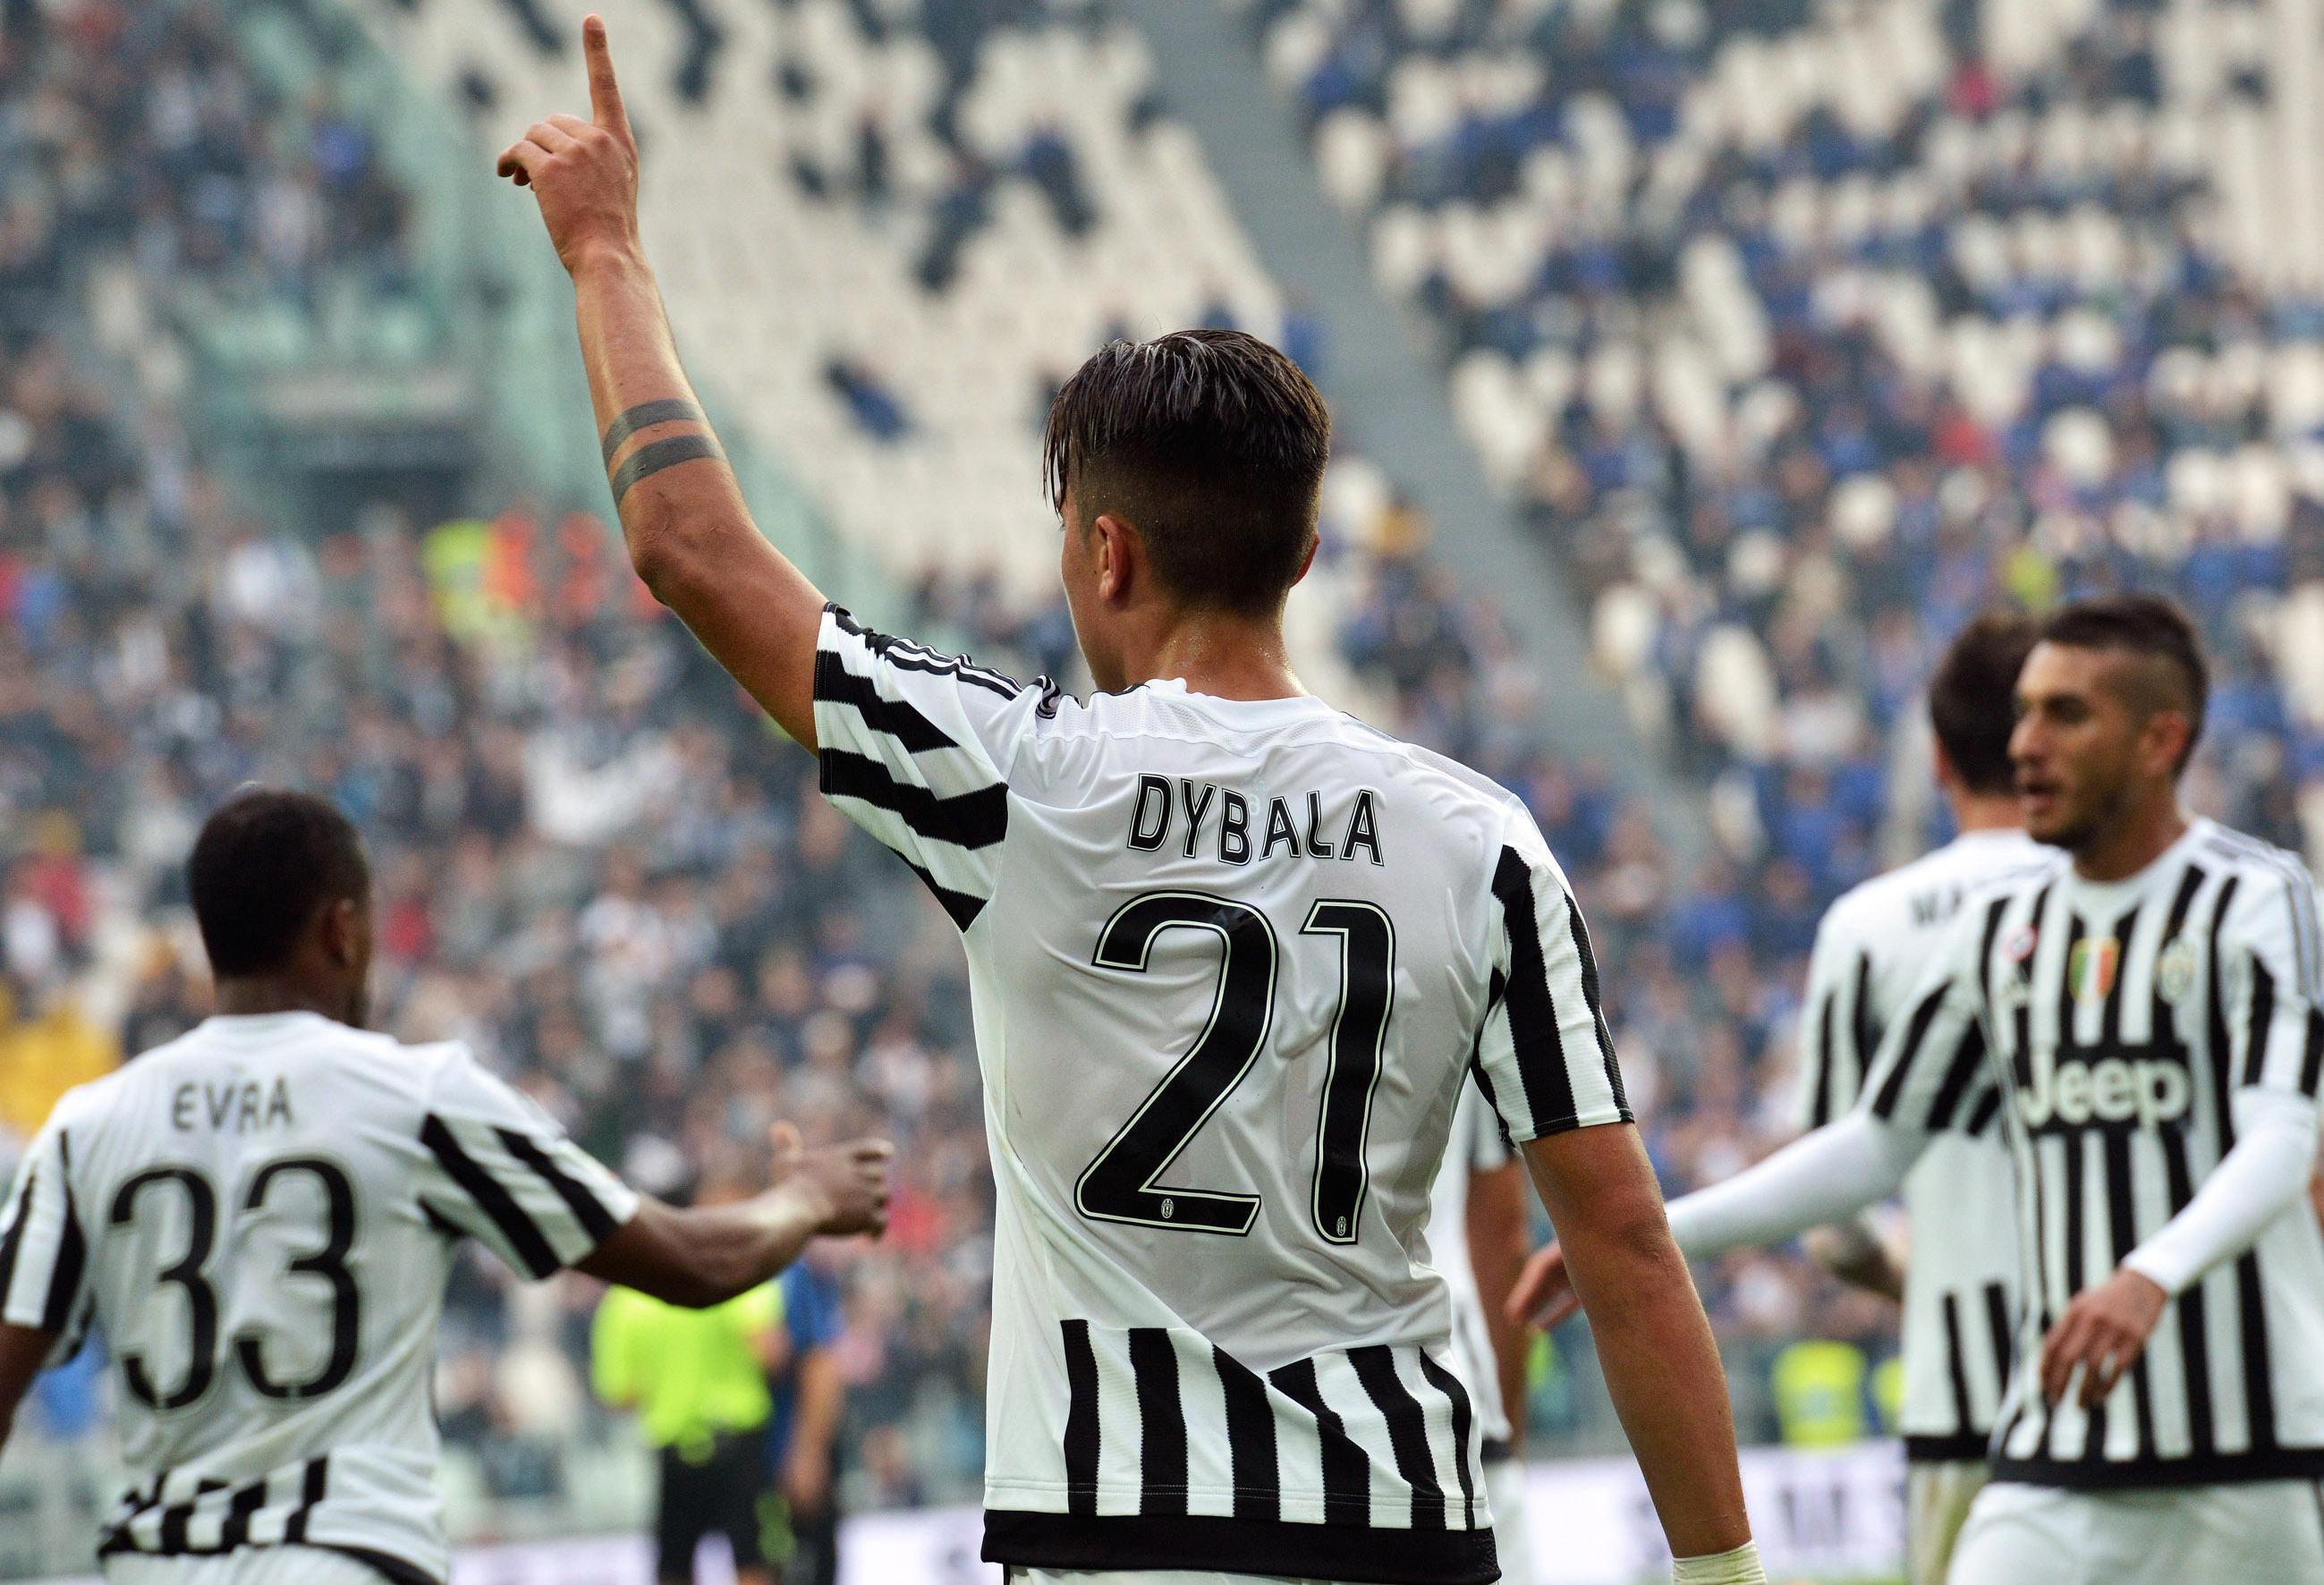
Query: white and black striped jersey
[(1873, 947), (1232, 964), (1476, 1145), (260, 1217), (2117, 1021)]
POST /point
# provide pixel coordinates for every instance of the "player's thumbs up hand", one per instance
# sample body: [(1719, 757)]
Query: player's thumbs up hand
[(846, 1184), (1544, 1295), (583, 172)]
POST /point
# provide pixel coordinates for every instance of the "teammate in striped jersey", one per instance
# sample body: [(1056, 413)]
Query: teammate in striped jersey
[(260, 1217), (1234, 957), (2145, 1024), (1871, 949), (1873, 945)]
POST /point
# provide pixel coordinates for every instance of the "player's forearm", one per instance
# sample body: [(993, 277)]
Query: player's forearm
[(1829, 1175), (1662, 1368), (651, 426), (821, 1398), (2257, 1180), (689, 534), (707, 1255)]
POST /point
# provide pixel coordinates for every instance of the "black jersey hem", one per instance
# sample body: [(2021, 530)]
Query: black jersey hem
[(400, 1571), (1955, 1449), (2280, 1463), (1355, 1553)]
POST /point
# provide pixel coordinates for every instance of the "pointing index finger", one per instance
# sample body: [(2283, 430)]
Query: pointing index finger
[(604, 92)]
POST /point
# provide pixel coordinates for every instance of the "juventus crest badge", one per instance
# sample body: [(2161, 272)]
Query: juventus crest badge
[(2174, 970)]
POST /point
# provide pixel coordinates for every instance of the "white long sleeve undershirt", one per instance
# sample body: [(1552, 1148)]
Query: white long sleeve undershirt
[(1856, 1162), (2265, 1174), (1832, 1173)]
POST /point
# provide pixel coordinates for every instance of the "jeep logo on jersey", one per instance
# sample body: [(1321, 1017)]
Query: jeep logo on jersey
[(2077, 1089)]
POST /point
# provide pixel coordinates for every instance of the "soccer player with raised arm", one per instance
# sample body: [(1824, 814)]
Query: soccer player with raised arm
[(2144, 1020), (1232, 955), (260, 1217)]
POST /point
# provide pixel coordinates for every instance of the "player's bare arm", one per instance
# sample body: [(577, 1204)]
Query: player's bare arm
[(1654, 1340), (706, 1255), (690, 537), (1499, 1244), (23, 1350)]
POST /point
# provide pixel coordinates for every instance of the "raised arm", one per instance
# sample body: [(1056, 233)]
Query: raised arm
[(690, 534)]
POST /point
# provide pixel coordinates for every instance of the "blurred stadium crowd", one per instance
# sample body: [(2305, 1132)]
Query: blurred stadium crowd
[(1954, 342)]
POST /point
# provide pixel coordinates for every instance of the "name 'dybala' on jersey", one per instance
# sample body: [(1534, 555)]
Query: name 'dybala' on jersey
[(1206, 814), (240, 1107)]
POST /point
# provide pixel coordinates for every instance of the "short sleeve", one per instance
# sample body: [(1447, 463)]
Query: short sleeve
[(1932, 1072), (43, 1248), (914, 748), (2268, 959), (1837, 1034), (1544, 1057), (497, 1166)]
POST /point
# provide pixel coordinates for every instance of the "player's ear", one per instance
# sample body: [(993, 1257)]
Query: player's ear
[(343, 932), (1117, 550), (2165, 740), (1307, 562)]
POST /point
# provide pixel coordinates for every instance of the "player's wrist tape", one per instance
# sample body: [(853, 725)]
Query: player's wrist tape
[(1740, 1567)]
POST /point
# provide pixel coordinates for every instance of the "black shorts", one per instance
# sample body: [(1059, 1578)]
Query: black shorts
[(717, 1495)]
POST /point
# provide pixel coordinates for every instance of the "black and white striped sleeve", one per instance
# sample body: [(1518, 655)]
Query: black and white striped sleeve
[(496, 1166), (1544, 1057), (1837, 1032), (1932, 1072), (43, 1248), (2269, 959), (915, 747)]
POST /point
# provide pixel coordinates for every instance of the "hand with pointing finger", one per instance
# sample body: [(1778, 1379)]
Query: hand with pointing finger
[(583, 172)]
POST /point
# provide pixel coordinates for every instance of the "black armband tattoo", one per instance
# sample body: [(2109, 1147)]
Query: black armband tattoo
[(645, 414), (660, 455)]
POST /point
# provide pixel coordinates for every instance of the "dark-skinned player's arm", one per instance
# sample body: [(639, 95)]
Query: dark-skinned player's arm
[(705, 1255), (1500, 1240), (1654, 1340), (23, 1349), (690, 537)]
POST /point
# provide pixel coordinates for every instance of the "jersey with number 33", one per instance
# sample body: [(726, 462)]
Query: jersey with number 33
[(1231, 964), (260, 1218)]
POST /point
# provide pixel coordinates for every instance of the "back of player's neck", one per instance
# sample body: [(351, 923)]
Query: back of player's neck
[(1976, 812), (259, 996), (1221, 656)]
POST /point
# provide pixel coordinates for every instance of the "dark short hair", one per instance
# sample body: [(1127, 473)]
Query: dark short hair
[(1213, 444), (266, 864), (2147, 625), (1972, 698)]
